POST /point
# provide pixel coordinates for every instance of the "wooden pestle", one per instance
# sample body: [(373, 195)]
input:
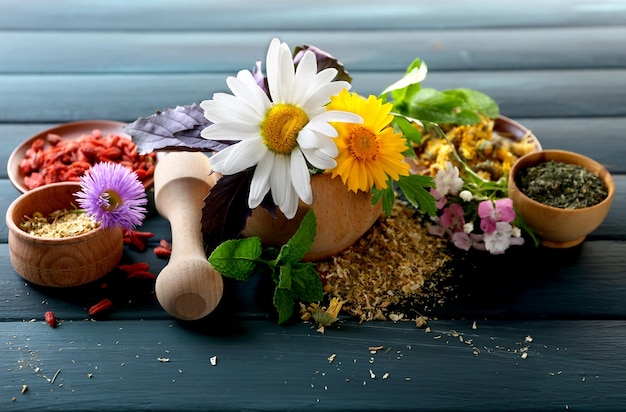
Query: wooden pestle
[(188, 287)]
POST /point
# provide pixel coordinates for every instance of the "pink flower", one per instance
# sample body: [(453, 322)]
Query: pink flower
[(436, 230), (453, 217), (440, 200), (501, 238), (493, 212), (462, 240)]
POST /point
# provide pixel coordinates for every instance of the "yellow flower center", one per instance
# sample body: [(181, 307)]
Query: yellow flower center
[(281, 126), (113, 199), (362, 144)]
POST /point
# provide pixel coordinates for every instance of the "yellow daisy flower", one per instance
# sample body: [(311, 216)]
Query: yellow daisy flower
[(371, 151)]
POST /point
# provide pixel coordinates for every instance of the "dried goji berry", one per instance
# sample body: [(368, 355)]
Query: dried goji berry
[(50, 319), (133, 267), (162, 252), (141, 274), (99, 307)]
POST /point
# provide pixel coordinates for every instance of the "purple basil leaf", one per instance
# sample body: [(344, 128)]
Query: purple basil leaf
[(177, 128), (324, 61), (226, 209)]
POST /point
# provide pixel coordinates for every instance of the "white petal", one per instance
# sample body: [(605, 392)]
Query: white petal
[(228, 108), (289, 207), (321, 95), (260, 184), (338, 116), (322, 127), (271, 66), (309, 139), (280, 182), (286, 74), (318, 81), (304, 78), (238, 157), (300, 177), (319, 159), (231, 131), (247, 90)]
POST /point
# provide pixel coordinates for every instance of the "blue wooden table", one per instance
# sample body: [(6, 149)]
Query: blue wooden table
[(557, 67)]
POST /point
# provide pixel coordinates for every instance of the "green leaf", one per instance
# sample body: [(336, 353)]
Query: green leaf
[(477, 102), (237, 258), (284, 277), (415, 74), (283, 302), (454, 106), (387, 195), (409, 131), (306, 283), (415, 189), (301, 241)]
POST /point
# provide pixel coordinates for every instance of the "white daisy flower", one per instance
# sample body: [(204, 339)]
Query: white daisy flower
[(278, 134)]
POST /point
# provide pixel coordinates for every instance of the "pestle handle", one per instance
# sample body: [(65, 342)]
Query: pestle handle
[(188, 287)]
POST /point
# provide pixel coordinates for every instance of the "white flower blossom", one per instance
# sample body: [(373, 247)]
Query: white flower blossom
[(278, 133)]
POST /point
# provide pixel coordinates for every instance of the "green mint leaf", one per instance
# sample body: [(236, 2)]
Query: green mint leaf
[(284, 277), (476, 102), (237, 258), (301, 241), (283, 302), (306, 283), (415, 189), (435, 106)]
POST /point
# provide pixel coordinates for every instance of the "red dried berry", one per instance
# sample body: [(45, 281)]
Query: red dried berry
[(99, 307), (162, 252), (50, 319), (141, 274)]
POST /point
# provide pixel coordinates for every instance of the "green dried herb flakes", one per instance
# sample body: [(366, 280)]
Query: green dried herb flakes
[(562, 185)]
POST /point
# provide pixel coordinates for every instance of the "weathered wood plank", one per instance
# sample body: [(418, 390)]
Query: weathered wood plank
[(207, 51), (322, 15), (569, 365), (537, 93)]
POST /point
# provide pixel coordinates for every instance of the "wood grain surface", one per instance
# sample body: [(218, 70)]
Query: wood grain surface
[(533, 330)]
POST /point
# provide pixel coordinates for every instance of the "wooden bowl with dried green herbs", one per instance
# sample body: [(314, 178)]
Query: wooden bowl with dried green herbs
[(50, 244), (563, 196)]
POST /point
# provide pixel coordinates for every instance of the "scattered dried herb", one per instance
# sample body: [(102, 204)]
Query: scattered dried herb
[(562, 185)]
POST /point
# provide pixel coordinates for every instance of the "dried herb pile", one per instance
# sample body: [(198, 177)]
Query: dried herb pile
[(562, 185), (395, 266)]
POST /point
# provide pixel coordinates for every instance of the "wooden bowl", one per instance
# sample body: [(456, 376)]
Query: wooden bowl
[(558, 227), (503, 126), (342, 218), (66, 262)]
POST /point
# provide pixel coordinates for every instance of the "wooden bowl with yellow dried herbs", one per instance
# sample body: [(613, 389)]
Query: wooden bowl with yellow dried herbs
[(52, 245), (489, 148)]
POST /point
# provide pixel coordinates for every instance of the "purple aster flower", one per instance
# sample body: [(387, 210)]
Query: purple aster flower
[(113, 195)]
